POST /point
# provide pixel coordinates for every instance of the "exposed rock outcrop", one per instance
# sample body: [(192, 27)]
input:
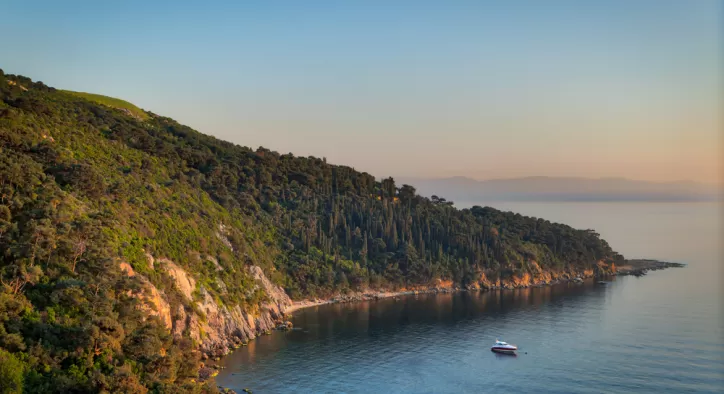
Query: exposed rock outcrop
[(217, 328), (222, 235), (185, 282), (152, 302), (225, 328), (278, 298), (539, 277), (640, 267)]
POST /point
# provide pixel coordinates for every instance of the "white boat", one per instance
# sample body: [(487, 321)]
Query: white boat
[(503, 347)]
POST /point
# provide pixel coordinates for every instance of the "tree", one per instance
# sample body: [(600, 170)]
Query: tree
[(407, 193), (5, 220), (342, 281), (15, 277), (388, 186), (11, 373), (364, 252)]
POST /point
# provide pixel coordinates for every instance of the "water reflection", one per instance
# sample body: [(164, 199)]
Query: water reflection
[(408, 321)]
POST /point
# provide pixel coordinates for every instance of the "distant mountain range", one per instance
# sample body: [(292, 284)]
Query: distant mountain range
[(542, 188)]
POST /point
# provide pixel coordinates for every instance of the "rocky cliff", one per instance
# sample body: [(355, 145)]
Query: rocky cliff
[(215, 327), (537, 276)]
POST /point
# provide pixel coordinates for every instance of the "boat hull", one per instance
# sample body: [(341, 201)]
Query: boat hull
[(503, 350)]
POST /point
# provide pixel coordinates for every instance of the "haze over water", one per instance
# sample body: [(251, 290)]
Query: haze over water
[(659, 333)]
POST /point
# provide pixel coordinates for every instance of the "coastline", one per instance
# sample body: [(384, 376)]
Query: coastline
[(634, 267), (639, 267), (365, 296)]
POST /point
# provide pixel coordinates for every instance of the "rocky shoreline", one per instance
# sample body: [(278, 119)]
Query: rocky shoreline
[(377, 295), (637, 267), (640, 267)]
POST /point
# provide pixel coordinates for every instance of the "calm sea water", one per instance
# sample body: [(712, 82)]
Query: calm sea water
[(661, 333)]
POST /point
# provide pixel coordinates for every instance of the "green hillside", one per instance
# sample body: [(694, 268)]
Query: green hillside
[(84, 187), (112, 102)]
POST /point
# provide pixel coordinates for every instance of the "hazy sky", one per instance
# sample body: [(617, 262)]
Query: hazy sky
[(407, 88)]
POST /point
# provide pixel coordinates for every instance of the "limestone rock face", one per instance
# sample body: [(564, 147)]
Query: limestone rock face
[(151, 300), (540, 277), (185, 283), (279, 300), (215, 327), (225, 328)]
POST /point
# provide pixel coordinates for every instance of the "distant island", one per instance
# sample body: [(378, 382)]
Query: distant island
[(565, 189), (134, 247)]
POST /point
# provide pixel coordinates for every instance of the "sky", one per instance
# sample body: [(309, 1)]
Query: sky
[(407, 88)]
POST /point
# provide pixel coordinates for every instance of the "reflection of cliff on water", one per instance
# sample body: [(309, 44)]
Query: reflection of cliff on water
[(449, 308), (407, 321), (392, 315)]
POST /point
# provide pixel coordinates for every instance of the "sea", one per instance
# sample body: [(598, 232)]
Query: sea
[(659, 333)]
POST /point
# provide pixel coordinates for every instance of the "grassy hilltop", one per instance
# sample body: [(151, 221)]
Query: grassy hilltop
[(111, 102)]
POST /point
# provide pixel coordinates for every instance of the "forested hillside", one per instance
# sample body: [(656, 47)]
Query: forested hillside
[(85, 187)]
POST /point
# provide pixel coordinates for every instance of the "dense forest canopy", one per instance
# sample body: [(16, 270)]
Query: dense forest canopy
[(84, 186)]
